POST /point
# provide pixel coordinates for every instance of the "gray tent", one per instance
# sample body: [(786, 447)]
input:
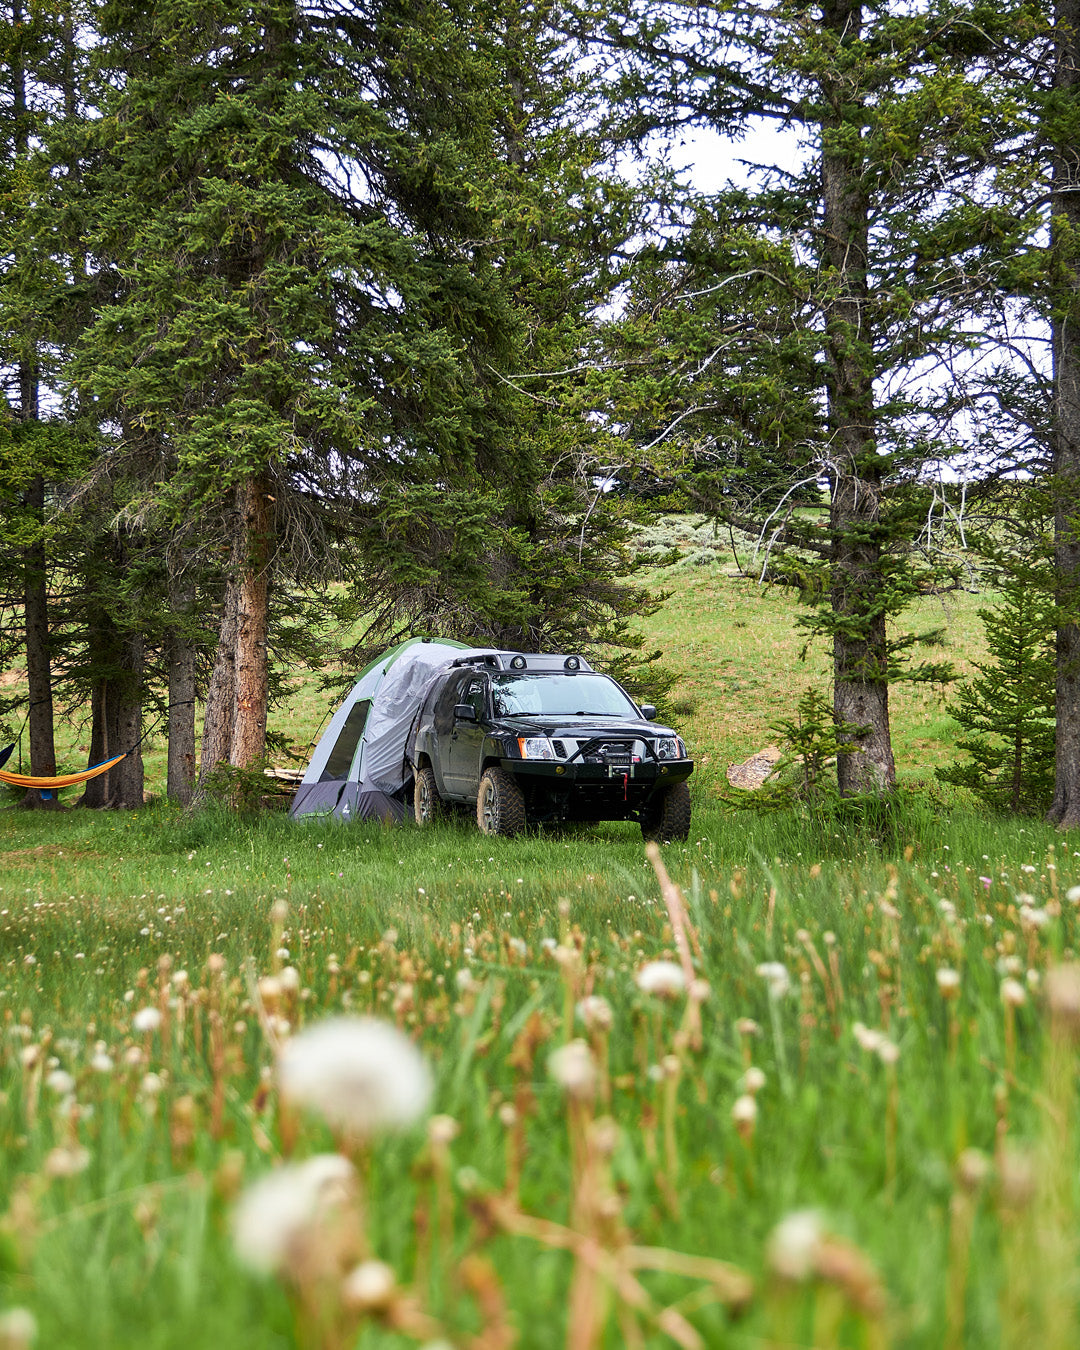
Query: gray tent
[(358, 769)]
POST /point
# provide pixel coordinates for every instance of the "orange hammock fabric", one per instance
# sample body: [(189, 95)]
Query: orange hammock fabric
[(64, 780)]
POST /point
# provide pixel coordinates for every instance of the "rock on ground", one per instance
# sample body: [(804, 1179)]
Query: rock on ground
[(752, 772)]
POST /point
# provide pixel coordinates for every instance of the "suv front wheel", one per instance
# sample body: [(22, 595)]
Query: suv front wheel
[(500, 807), (667, 818)]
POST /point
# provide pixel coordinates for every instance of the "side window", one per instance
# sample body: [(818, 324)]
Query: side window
[(475, 692), (443, 712)]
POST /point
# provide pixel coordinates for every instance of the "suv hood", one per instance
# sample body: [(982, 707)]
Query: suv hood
[(584, 728)]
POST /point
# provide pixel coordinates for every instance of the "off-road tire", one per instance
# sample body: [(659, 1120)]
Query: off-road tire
[(428, 806), (500, 807), (667, 819)]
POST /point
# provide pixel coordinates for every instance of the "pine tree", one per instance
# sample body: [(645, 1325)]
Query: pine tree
[(1007, 710), (875, 232), (287, 347)]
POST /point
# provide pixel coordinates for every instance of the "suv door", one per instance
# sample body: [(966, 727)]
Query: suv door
[(461, 750)]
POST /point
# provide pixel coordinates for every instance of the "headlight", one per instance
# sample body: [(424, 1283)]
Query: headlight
[(667, 747), (535, 747)]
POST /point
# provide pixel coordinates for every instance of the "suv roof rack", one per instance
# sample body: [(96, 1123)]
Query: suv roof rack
[(538, 661)]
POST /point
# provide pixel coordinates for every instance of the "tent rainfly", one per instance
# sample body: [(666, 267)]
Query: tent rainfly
[(358, 769)]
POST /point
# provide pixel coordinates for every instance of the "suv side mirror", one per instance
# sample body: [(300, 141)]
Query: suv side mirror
[(464, 712), (648, 712)]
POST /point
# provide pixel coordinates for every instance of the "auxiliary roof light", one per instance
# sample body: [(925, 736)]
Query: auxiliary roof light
[(572, 663), (517, 663)]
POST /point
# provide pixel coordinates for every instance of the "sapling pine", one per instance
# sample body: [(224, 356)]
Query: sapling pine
[(1007, 710)]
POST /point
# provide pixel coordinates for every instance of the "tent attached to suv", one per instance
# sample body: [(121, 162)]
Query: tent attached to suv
[(358, 769)]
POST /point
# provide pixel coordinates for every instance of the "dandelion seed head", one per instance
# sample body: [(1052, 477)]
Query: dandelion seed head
[(276, 1213), (596, 1013), (776, 976), (572, 1066), (1013, 993), (369, 1287), (793, 1245), (664, 979), (60, 1082), (18, 1329), (147, 1019), (360, 1074)]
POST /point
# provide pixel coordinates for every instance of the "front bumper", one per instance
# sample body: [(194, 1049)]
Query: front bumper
[(576, 790)]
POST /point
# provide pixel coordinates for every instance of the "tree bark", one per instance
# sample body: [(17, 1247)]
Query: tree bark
[(127, 778), (35, 572), (1065, 210), (860, 647), (180, 661), (38, 660), (248, 744), (221, 695)]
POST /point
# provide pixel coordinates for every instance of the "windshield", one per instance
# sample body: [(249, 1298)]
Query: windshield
[(560, 696)]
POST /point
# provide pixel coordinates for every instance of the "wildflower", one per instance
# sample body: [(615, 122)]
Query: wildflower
[(867, 1038), (18, 1329), (744, 1115), (948, 982), (369, 1287), (146, 1019), (794, 1243), (60, 1082), (66, 1162), (987, 882), (101, 1062), (360, 1074), (1073, 895), (443, 1130), (275, 1215), (1013, 993), (1032, 919), (699, 990), (665, 979), (596, 1013), (753, 1080), (972, 1169), (466, 981), (888, 1051), (290, 980), (776, 976), (574, 1069)]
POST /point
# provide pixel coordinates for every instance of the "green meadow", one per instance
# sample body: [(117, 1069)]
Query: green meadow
[(802, 1081)]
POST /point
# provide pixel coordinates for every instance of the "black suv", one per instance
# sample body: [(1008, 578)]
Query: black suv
[(545, 738)]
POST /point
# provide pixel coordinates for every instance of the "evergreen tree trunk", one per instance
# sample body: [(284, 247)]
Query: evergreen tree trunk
[(35, 588), (252, 669), (1065, 210), (102, 659), (860, 651), (180, 663), (38, 661), (127, 778), (220, 714)]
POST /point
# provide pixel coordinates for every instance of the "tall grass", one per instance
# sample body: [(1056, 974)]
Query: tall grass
[(119, 1187)]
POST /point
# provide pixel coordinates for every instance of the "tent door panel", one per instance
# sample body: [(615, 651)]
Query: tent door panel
[(341, 757)]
